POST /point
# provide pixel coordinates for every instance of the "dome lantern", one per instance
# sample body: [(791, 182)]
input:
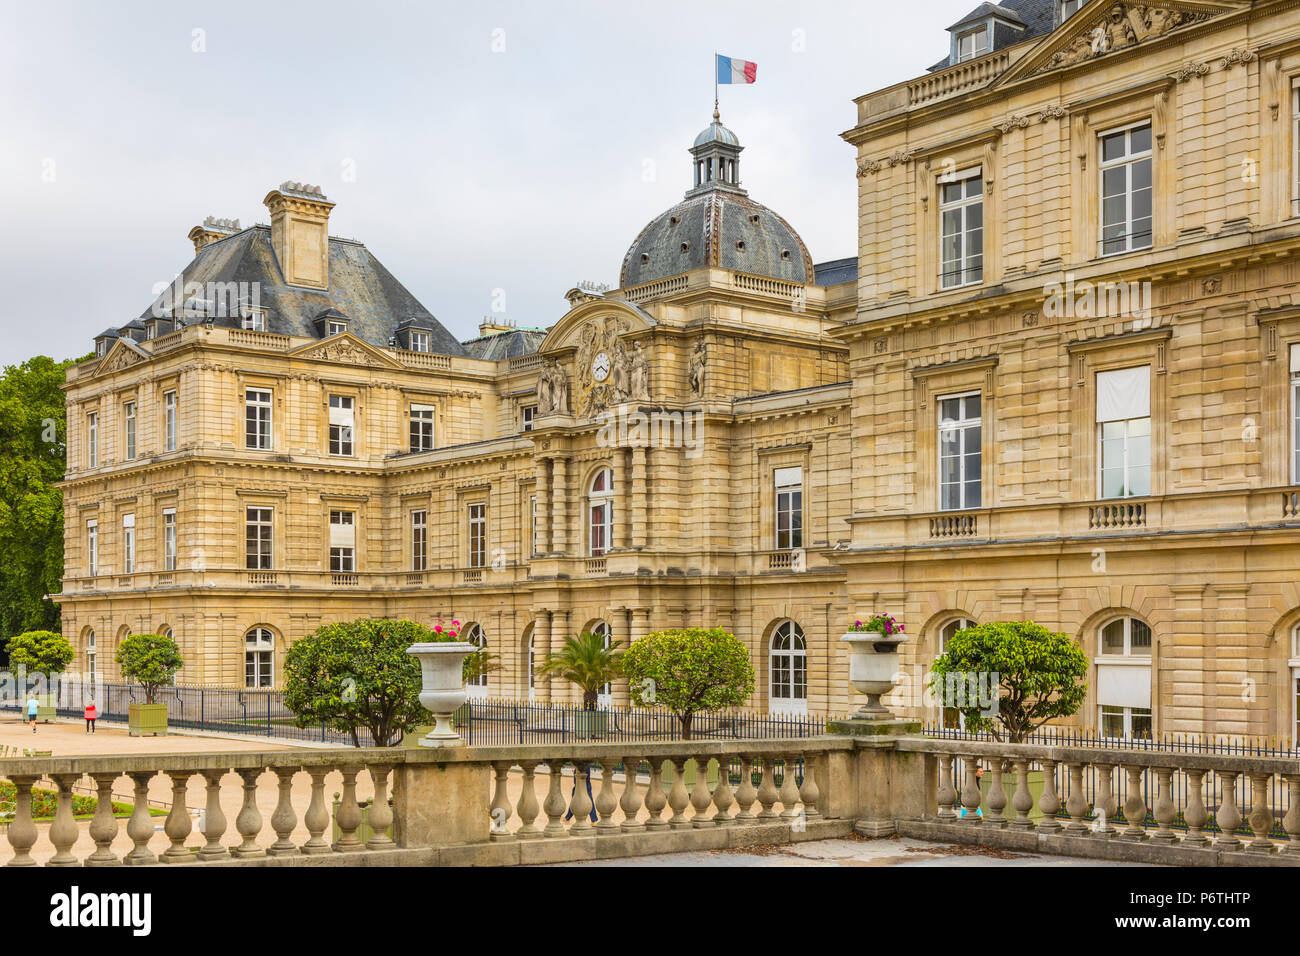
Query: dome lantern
[(715, 157)]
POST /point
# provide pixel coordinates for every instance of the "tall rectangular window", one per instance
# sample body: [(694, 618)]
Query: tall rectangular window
[(422, 427), (92, 439), (960, 452), (528, 413), (789, 508), (128, 544), (1126, 190), (257, 539), (419, 540), (532, 524), (1295, 151), (478, 536), (343, 540), (973, 44), (341, 422), (1295, 414), (961, 232), (169, 421), (257, 419), (128, 423), (92, 547), (169, 539), (1124, 432)]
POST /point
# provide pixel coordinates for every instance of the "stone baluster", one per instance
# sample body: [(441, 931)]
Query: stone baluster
[(500, 808), (63, 829), (140, 827), (606, 802), (381, 814), (1261, 817), (970, 791), (630, 803), (1164, 807), (178, 825), (317, 817), (678, 800), (580, 805), (214, 820), (349, 814), (1195, 814), (947, 791), (722, 795), (809, 793), (1291, 822), (1049, 803), (701, 799), (746, 794), (555, 804), (655, 796), (1076, 803), (1021, 801), (103, 826), (997, 799), (1135, 807), (1228, 817), (22, 829), (284, 818), (248, 822), (767, 793), (528, 808), (790, 789), (1104, 800)]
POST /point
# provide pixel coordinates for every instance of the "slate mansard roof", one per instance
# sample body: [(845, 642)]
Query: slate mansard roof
[(1038, 18), (374, 303), (504, 345)]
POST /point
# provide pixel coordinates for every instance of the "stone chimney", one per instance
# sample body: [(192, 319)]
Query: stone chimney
[(300, 233), (212, 230)]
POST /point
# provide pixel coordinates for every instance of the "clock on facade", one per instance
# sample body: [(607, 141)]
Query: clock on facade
[(600, 367)]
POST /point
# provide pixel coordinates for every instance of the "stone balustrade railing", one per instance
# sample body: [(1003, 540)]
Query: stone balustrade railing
[(1094, 801)]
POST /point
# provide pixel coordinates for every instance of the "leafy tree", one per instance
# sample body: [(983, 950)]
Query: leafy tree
[(150, 659), (357, 674), (586, 661), (33, 455), (688, 670), (1039, 676), (40, 652)]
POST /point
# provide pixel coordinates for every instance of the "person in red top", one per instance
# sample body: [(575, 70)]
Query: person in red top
[(92, 713)]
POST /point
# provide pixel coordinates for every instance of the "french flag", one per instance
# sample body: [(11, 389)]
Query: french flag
[(731, 70)]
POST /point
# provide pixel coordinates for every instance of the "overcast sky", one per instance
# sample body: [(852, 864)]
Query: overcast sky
[(471, 146)]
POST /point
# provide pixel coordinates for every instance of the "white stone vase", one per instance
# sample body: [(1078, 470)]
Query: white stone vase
[(873, 665), (442, 686)]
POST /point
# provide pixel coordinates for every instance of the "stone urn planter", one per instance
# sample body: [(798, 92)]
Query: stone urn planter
[(442, 686), (142, 719), (873, 662)]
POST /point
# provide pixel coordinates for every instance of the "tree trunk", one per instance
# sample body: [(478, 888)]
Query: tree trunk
[(686, 725)]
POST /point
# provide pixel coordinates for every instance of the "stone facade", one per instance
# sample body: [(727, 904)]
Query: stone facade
[(844, 382)]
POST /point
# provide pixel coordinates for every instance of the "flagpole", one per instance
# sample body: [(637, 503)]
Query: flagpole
[(715, 81)]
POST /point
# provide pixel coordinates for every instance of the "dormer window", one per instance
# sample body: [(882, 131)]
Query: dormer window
[(419, 341), (254, 320), (972, 44), (334, 327), (330, 322), (1070, 7)]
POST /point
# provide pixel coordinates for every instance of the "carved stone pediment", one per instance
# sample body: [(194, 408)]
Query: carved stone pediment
[(345, 349), (121, 355)]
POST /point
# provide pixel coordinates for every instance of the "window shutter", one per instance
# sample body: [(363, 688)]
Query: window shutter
[(422, 408), (788, 477), (1124, 394), (1123, 686), (128, 521), (340, 416), (343, 535), (1295, 358)]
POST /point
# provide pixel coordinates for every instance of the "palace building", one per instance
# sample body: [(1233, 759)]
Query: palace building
[(1059, 382)]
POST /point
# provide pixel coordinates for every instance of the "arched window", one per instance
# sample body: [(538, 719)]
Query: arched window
[(600, 501), (951, 717), (605, 699), (1295, 686), (476, 686), (165, 630), (1124, 678), (789, 670), (530, 635), (90, 652), (259, 658)]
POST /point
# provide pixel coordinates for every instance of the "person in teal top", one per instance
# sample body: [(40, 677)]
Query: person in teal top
[(32, 707)]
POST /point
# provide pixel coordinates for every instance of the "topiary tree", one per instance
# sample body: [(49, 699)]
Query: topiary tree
[(357, 674), (687, 670), (150, 659), (40, 652), (1023, 676), (586, 661)]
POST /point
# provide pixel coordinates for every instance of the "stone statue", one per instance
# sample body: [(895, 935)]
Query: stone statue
[(699, 359), (559, 390), (639, 376), (1119, 32), (621, 370), (545, 392)]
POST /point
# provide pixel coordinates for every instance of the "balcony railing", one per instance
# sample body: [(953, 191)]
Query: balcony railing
[(1118, 514), (954, 526)]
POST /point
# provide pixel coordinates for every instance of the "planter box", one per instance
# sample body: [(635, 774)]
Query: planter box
[(690, 773), (45, 709), (590, 724), (1034, 780), (364, 831), (145, 719)]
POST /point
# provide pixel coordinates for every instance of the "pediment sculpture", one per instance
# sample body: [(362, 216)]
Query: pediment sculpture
[(1121, 26)]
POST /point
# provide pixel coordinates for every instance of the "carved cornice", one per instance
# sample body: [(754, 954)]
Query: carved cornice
[(1242, 56), (1191, 70)]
